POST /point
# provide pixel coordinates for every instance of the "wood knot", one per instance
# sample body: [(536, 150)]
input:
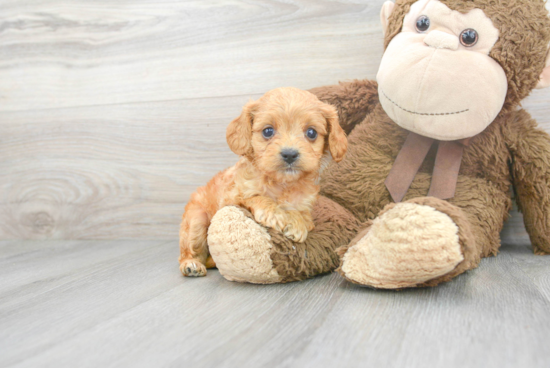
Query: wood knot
[(40, 222)]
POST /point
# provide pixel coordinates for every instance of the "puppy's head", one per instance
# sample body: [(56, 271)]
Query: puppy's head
[(286, 133)]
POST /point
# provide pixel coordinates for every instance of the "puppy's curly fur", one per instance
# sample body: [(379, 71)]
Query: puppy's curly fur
[(282, 139)]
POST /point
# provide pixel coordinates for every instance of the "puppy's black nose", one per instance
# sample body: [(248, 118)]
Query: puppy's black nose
[(289, 155)]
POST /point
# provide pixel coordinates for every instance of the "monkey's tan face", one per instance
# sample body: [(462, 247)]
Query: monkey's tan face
[(436, 77)]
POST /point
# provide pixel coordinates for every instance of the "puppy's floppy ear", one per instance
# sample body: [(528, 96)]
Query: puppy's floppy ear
[(337, 141), (239, 131)]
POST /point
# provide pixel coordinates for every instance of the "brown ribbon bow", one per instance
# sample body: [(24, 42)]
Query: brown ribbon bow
[(410, 158)]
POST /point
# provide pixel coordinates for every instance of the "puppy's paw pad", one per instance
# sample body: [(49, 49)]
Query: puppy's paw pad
[(192, 269)]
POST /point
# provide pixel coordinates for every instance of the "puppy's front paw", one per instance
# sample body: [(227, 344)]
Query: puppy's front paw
[(296, 231), (274, 219), (192, 268)]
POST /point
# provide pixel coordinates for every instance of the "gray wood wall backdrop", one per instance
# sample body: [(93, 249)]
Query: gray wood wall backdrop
[(113, 112)]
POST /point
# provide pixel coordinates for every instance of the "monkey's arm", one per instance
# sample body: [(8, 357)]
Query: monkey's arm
[(354, 100), (530, 148)]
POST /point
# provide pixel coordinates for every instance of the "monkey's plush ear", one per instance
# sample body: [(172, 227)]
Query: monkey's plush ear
[(337, 141), (239, 131), (544, 80), (385, 13)]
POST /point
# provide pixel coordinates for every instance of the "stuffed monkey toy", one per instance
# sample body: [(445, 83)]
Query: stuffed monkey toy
[(434, 147)]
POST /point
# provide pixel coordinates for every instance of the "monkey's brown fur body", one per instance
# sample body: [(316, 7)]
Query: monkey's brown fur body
[(511, 151), (356, 207)]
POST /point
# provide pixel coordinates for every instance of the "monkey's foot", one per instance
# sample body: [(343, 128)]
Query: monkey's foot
[(241, 247), (408, 245)]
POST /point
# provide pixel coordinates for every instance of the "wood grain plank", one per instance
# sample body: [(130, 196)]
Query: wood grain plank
[(135, 309), (111, 114), (110, 173), (88, 287), (59, 53), (57, 261), (486, 317)]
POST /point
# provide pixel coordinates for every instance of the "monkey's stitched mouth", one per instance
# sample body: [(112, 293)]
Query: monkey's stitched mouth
[(423, 113)]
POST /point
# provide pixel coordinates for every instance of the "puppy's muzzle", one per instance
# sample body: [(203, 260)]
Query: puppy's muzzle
[(289, 155)]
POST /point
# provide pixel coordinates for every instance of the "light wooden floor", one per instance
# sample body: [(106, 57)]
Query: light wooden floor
[(124, 304)]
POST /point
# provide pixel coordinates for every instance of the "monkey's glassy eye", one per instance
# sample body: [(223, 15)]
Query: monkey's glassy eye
[(268, 132), (422, 23), (311, 134), (469, 37)]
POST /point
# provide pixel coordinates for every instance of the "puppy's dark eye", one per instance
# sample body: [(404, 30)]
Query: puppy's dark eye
[(469, 37), (268, 132), (422, 23), (311, 134)]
